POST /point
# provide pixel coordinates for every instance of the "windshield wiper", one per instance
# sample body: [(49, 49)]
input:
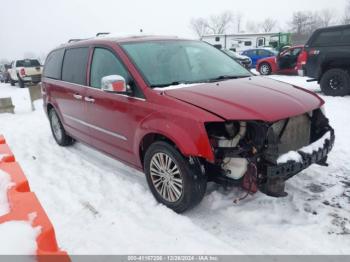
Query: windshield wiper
[(225, 77), (175, 83)]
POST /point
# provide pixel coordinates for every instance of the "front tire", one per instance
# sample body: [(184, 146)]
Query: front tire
[(335, 82), (172, 180), (58, 131), (265, 69)]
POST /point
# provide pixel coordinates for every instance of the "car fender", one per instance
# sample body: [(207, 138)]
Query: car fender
[(188, 135), (334, 59)]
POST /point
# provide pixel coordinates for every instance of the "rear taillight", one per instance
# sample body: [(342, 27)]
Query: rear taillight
[(313, 52), (22, 72), (303, 57)]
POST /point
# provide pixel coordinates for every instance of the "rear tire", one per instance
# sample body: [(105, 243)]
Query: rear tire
[(20, 82), (58, 131), (184, 185), (265, 69), (335, 82)]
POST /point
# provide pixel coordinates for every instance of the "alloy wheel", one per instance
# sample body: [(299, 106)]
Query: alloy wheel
[(166, 177), (336, 82), (264, 69), (56, 126)]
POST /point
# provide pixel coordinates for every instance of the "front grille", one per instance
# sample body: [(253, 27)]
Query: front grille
[(288, 135)]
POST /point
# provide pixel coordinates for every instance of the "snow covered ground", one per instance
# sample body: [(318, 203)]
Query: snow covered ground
[(100, 206)]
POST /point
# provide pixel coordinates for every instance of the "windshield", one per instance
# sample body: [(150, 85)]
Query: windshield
[(27, 63), (172, 62)]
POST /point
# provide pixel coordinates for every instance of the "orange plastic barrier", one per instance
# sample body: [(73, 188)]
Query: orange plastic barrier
[(22, 202)]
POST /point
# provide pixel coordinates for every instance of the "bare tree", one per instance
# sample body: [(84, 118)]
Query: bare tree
[(218, 24), (268, 25), (305, 22), (199, 26), (300, 22), (326, 17), (315, 21)]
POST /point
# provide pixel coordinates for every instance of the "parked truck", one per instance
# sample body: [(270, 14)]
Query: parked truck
[(328, 59), (25, 71)]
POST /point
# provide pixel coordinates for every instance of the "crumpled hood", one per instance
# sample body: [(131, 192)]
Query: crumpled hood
[(251, 98)]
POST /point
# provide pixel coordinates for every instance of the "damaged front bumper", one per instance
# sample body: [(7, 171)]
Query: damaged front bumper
[(276, 175)]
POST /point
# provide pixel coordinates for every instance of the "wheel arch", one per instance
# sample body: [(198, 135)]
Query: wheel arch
[(190, 140), (148, 140), (335, 63)]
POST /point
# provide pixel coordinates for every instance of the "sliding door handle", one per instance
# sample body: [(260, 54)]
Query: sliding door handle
[(89, 99), (77, 96)]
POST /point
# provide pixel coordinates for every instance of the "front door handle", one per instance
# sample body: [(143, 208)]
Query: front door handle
[(77, 96), (89, 99)]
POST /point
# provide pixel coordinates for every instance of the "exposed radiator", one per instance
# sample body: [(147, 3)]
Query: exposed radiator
[(288, 135)]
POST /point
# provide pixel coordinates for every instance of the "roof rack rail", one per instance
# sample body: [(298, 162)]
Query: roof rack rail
[(74, 40), (102, 33)]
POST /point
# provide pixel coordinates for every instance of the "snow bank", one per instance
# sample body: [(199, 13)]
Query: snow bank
[(18, 238), (295, 156)]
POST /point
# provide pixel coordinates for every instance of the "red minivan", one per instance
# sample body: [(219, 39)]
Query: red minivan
[(184, 113)]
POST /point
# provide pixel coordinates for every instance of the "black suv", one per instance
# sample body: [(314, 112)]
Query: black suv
[(328, 59)]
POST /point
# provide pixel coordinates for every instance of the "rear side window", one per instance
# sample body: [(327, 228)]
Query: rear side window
[(53, 64), (263, 53), (250, 53), (325, 38), (74, 65)]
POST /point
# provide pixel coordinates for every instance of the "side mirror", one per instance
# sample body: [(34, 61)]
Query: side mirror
[(115, 84)]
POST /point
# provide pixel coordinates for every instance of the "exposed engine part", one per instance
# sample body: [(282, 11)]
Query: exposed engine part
[(250, 179), (234, 168), (239, 145), (249, 183)]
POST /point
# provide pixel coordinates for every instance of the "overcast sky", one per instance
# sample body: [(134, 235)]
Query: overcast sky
[(36, 26)]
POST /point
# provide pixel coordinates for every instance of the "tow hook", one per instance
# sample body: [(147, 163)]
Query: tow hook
[(274, 187)]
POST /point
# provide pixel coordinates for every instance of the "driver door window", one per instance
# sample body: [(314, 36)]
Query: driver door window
[(105, 63)]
